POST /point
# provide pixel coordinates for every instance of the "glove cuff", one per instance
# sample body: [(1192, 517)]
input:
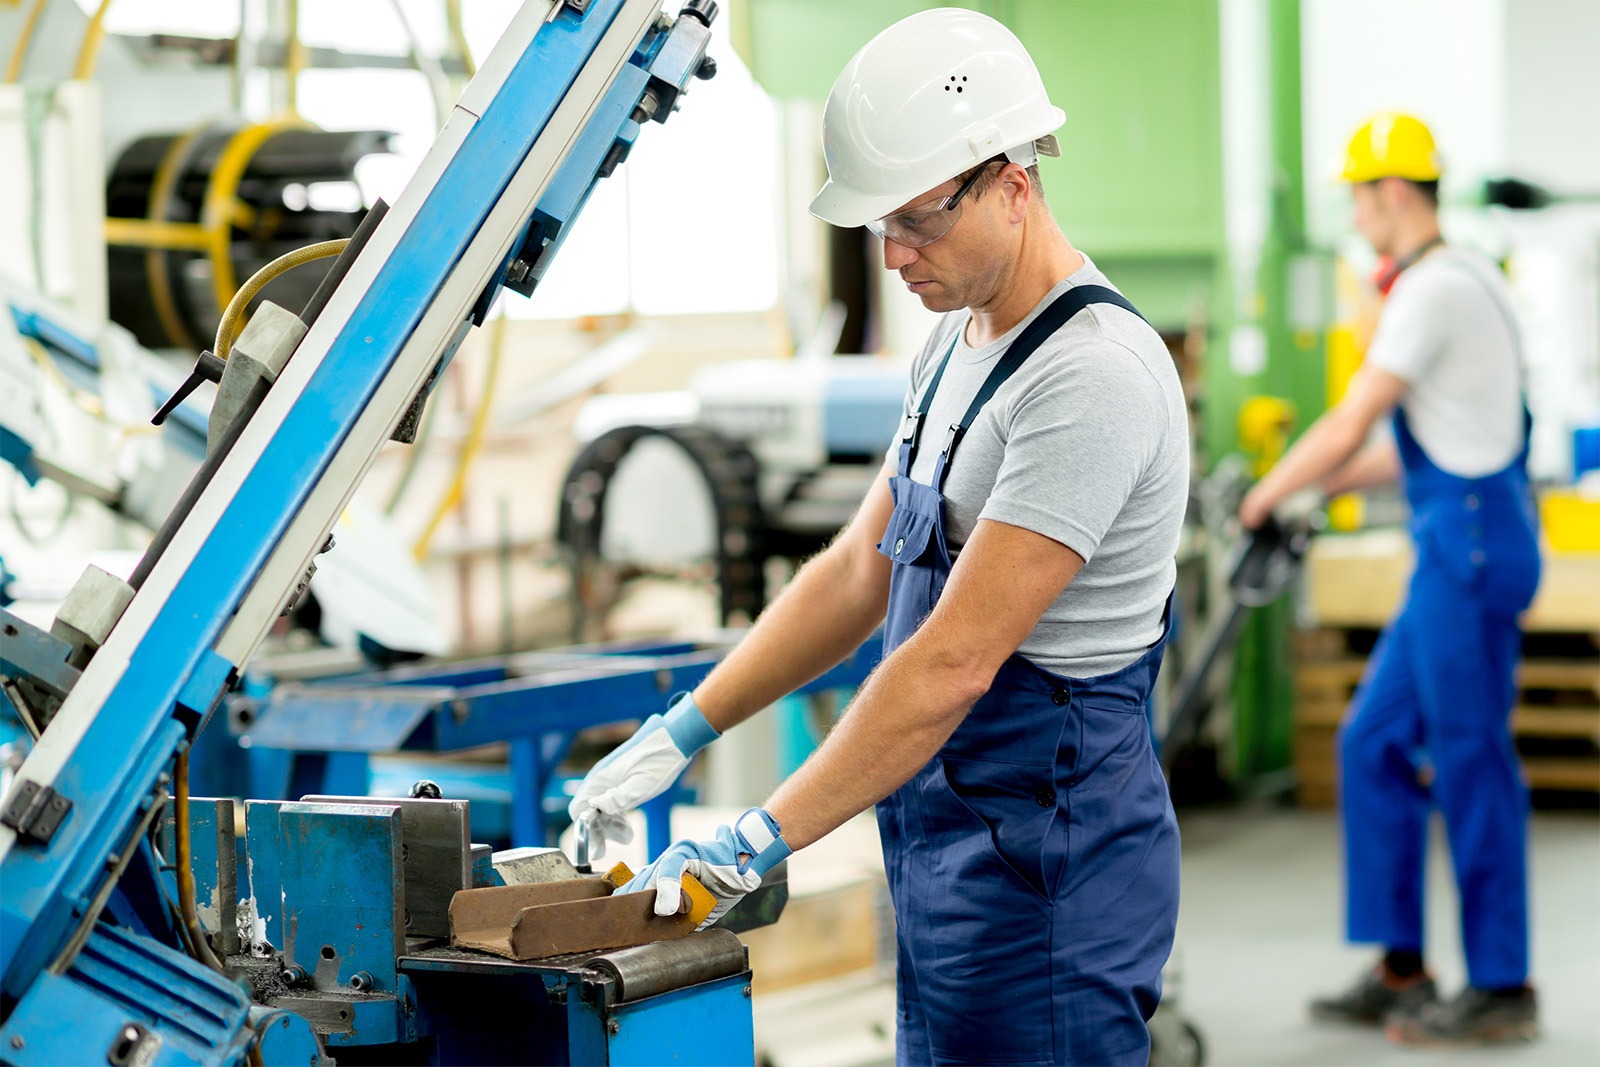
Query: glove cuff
[(758, 833), (687, 726)]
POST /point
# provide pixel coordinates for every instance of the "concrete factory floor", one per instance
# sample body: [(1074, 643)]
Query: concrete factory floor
[(1260, 934)]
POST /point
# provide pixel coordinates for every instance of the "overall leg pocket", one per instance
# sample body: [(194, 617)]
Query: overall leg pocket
[(992, 938)]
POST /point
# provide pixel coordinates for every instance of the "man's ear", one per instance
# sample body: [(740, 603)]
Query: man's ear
[(1017, 188), (1393, 193)]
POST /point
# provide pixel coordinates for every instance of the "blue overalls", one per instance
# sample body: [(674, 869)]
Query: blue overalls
[(1439, 692), (1033, 863)]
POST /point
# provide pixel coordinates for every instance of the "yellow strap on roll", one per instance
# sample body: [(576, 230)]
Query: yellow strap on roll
[(159, 236), (222, 207), (155, 260)]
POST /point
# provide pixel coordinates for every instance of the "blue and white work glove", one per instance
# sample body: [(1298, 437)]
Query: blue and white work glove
[(641, 768), (729, 866)]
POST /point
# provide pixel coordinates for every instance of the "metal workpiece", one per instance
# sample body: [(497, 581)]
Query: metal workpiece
[(90, 611), (648, 970), (527, 865), (259, 354)]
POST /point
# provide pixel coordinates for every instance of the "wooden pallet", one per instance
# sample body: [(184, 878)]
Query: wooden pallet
[(1556, 720)]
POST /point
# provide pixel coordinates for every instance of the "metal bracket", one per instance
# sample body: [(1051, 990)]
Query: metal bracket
[(578, 8), (35, 811)]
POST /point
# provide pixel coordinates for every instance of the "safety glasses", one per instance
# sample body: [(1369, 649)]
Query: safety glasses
[(926, 223)]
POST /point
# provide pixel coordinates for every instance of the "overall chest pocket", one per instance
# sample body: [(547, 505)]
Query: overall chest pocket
[(909, 538)]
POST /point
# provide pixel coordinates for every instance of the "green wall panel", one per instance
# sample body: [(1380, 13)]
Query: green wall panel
[(1141, 166), (1141, 153)]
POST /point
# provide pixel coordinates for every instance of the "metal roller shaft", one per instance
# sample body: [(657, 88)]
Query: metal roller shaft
[(667, 965)]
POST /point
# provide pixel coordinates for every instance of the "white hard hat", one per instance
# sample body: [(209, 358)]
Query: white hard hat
[(928, 98)]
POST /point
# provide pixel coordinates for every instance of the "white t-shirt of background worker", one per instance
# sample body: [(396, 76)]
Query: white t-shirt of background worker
[(1447, 331)]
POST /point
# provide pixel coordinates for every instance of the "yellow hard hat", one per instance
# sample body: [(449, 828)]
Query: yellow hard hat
[(1392, 145)]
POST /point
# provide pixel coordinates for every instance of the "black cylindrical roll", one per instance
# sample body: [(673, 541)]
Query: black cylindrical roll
[(191, 216), (667, 965)]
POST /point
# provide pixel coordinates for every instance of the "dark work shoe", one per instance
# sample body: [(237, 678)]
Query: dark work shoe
[(1374, 997), (1475, 1017)]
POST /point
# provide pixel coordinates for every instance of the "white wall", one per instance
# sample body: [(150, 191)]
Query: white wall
[(1442, 60), (1553, 82)]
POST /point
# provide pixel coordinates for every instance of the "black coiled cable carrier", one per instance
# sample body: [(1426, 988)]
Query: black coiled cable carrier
[(730, 473)]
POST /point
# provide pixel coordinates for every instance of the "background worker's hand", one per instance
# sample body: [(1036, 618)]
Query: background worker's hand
[(641, 768), (729, 866), (1256, 508)]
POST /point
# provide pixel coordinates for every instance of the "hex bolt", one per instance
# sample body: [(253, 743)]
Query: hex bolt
[(361, 981), (614, 1027), (16, 1042), (747, 991)]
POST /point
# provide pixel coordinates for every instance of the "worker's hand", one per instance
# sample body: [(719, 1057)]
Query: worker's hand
[(642, 767), (729, 866), (1256, 508)]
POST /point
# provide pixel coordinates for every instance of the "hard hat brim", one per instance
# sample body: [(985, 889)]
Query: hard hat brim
[(839, 205)]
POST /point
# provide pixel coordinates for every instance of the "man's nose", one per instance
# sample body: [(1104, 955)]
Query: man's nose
[(896, 255)]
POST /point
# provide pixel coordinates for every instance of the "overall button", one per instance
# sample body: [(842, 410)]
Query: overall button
[(1060, 697), (1044, 797), (1477, 557), (1473, 502), (898, 545)]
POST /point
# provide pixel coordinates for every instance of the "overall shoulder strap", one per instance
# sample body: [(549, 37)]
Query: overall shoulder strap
[(1060, 311)]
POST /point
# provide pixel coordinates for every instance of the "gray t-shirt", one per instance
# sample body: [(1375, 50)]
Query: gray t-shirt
[(1087, 444)]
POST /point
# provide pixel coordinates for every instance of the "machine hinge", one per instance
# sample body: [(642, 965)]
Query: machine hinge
[(35, 811)]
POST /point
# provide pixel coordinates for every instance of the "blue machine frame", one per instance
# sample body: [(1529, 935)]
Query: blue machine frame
[(316, 738), (553, 109)]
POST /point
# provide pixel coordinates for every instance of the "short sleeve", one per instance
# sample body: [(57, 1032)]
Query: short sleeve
[(1411, 332), (1077, 446)]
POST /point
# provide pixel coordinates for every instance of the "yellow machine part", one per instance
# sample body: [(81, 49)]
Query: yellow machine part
[(1264, 425)]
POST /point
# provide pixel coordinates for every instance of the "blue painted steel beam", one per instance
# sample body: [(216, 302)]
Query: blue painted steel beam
[(125, 748)]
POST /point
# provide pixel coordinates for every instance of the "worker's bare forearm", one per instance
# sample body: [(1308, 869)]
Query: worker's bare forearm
[(1377, 464), (823, 616), (1324, 448), (898, 722)]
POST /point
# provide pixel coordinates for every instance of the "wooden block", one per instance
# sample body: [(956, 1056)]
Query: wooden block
[(820, 935), (1532, 720), (1569, 593), (1563, 772), (1582, 675), (1321, 713), (1316, 795), (1359, 579)]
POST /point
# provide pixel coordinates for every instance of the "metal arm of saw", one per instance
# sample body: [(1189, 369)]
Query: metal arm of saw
[(554, 107)]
